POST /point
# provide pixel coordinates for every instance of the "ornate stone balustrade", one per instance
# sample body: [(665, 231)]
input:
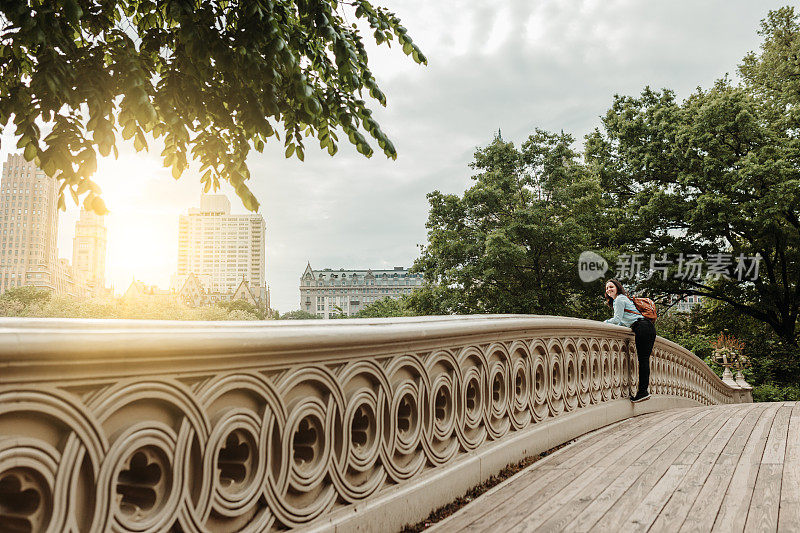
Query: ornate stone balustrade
[(167, 426)]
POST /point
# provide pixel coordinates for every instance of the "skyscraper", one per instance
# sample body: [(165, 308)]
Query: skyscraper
[(89, 249), (222, 249), (29, 222)]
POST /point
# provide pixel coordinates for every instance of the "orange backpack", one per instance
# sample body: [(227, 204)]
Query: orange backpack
[(646, 307)]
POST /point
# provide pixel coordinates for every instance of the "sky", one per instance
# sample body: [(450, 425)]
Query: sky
[(508, 65)]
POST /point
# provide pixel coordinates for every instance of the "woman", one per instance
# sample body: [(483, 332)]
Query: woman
[(626, 314)]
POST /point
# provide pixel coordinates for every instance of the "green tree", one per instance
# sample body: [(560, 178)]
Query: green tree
[(244, 306), (37, 303), (26, 295), (717, 173), (298, 315), (387, 307), (510, 244), (208, 79)]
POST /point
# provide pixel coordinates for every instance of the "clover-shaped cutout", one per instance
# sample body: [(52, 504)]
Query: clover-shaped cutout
[(360, 427), (405, 413), (138, 484), (19, 503), (305, 442), (234, 459), (441, 404), (472, 395), (498, 388)]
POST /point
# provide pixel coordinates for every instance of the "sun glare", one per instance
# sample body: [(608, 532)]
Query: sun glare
[(144, 203)]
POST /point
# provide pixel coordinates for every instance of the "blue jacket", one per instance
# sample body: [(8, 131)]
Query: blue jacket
[(625, 313)]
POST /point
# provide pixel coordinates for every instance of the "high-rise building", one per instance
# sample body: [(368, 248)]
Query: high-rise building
[(89, 249), (222, 249), (29, 223), (328, 292)]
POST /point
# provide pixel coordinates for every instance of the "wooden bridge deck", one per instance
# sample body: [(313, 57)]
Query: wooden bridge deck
[(719, 468)]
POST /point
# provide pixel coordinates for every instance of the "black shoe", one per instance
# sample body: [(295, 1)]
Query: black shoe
[(640, 397)]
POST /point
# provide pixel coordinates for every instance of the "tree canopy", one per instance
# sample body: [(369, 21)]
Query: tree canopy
[(31, 302), (386, 307), (718, 173), (210, 79), (298, 315), (715, 175), (510, 244)]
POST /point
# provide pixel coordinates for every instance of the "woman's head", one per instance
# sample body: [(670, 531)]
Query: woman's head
[(613, 289)]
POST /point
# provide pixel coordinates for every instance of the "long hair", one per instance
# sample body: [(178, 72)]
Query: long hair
[(620, 290)]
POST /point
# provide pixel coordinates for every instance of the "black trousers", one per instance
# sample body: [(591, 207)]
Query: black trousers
[(645, 333)]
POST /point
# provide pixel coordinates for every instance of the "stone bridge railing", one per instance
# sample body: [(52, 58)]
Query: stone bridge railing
[(169, 426)]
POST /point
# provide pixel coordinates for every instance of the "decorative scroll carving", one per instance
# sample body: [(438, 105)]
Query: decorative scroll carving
[(279, 446)]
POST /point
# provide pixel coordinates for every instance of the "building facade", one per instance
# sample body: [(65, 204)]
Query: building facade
[(29, 217), (89, 250), (685, 304), (222, 250), (29, 236), (328, 292)]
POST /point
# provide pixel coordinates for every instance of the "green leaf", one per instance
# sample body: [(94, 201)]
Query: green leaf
[(99, 206), (30, 152), (174, 74), (129, 130), (139, 142)]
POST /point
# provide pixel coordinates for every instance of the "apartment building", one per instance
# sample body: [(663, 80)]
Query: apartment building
[(89, 249), (329, 292), (28, 223), (222, 249), (29, 236)]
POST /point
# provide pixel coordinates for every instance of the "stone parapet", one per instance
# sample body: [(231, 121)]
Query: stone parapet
[(109, 425)]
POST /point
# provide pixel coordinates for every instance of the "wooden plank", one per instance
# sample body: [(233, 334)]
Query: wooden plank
[(620, 485), (617, 515), (674, 512), (763, 512), (789, 512), (569, 508), (645, 513), (556, 507), (733, 450), (601, 437), (733, 510), (706, 506), (536, 483), (775, 449)]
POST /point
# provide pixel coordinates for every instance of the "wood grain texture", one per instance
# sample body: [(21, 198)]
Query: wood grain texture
[(718, 468), (789, 511)]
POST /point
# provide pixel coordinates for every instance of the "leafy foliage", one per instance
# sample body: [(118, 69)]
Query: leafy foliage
[(387, 307), (298, 315), (208, 79), (245, 307), (715, 173), (17, 302), (14, 301), (511, 243)]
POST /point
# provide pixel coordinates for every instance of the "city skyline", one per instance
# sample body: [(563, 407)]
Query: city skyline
[(515, 67)]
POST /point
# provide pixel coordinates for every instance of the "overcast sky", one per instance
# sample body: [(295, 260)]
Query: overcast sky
[(513, 65)]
